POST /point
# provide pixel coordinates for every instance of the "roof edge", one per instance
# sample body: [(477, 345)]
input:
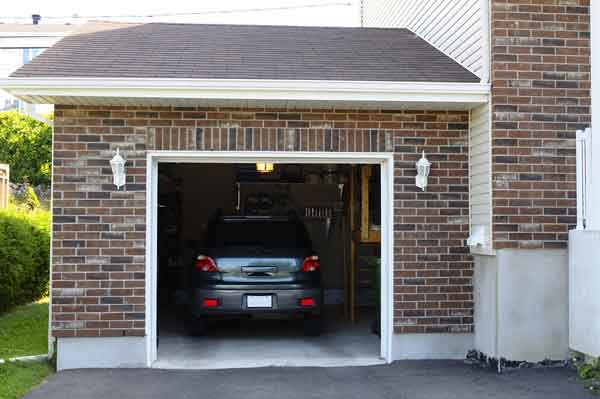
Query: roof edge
[(249, 89)]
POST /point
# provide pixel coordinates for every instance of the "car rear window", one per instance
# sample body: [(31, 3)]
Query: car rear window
[(263, 233)]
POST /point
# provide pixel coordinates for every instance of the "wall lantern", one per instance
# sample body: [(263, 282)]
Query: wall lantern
[(117, 164), (265, 167), (423, 169)]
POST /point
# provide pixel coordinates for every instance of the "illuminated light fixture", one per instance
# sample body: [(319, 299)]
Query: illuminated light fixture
[(117, 164), (264, 167), (423, 169)]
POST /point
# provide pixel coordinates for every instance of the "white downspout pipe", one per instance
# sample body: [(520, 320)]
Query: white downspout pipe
[(486, 28), (593, 219), (583, 164)]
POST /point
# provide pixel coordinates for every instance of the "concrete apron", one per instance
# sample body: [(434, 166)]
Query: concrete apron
[(269, 344)]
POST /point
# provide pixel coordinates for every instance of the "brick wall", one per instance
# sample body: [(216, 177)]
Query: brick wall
[(98, 276), (540, 97)]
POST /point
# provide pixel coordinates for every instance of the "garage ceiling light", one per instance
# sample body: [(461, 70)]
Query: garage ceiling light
[(264, 167)]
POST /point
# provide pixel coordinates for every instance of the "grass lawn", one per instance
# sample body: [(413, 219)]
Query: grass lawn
[(24, 331), (17, 378)]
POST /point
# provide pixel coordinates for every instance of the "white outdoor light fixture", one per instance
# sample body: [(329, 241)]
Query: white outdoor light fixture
[(423, 169), (117, 163)]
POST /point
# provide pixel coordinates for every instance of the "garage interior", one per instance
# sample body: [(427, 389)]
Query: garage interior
[(340, 207)]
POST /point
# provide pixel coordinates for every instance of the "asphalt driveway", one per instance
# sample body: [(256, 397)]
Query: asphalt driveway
[(402, 380)]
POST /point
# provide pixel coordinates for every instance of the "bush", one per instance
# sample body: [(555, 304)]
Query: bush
[(24, 256), (31, 199), (26, 145)]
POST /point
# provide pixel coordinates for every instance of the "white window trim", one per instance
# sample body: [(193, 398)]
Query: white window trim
[(385, 160)]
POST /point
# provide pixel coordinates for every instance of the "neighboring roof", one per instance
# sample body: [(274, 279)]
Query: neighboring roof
[(25, 29), (194, 51)]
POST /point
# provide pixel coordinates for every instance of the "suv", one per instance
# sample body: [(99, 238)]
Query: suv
[(256, 266)]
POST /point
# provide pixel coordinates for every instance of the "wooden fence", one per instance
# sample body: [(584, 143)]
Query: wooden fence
[(4, 189)]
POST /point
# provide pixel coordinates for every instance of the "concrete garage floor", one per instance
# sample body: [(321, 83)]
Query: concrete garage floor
[(262, 343), (402, 380)]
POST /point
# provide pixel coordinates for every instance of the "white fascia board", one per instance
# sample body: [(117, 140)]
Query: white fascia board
[(36, 39), (248, 89), (28, 42), (33, 34)]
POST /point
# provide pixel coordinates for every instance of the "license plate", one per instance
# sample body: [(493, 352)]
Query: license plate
[(259, 301)]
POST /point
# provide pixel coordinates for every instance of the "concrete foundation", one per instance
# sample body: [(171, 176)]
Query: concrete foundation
[(101, 352), (431, 346), (521, 304), (584, 298)]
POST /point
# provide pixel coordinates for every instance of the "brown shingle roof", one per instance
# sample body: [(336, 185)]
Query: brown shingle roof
[(162, 50)]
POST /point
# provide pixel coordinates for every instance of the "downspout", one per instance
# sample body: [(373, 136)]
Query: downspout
[(362, 13), (51, 339), (486, 24), (486, 36), (593, 220)]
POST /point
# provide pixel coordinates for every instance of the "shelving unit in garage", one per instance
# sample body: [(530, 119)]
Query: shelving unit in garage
[(366, 238)]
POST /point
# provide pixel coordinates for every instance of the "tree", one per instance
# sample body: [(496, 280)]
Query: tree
[(26, 145)]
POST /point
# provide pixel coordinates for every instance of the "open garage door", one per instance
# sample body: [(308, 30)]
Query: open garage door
[(273, 262)]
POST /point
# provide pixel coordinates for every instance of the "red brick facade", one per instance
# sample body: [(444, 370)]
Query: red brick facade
[(99, 275), (540, 97)]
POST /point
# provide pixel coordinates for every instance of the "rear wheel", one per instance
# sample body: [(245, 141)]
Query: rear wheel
[(312, 326)]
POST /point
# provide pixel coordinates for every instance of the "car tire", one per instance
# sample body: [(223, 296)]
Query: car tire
[(196, 327), (313, 326)]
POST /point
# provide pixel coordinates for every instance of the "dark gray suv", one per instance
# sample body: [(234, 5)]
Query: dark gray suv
[(256, 265)]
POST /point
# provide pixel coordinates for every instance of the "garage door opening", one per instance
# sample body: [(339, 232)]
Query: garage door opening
[(236, 245)]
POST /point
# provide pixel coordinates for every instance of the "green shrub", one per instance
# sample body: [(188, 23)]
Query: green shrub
[(26, 145), (589, 370), (24, 256), (31, 199)]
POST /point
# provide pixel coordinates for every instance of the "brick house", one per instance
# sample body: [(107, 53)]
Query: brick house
[(492, 95)]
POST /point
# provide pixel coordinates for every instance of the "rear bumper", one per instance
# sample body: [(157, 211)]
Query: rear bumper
[(235, 301)]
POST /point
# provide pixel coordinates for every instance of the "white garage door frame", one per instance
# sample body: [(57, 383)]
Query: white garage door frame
[(385, 160)]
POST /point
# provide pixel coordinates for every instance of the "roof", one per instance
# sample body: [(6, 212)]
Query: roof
[(23, 29), (195, 51)]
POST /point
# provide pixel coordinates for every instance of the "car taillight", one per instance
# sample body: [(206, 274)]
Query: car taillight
[(210, 302), (206, 264), (307, 302), (310, 264)]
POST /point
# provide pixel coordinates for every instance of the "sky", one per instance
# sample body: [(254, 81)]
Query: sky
[(299, 12)]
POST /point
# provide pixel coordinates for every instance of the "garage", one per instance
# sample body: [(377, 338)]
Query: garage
[(126, 133), (255, 210)]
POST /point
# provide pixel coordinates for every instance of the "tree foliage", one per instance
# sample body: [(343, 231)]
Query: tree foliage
[(26, 145)]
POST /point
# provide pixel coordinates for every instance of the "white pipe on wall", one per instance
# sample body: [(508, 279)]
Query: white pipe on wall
[(582, 155), (486, 56), (594, 142)]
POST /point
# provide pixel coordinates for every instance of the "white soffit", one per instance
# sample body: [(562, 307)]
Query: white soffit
[(243, 92)]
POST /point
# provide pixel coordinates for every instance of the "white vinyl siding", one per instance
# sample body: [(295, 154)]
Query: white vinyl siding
[(456, 27), (480, 182)]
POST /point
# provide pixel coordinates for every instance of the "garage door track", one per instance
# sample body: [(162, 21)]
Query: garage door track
[(402, 380)]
